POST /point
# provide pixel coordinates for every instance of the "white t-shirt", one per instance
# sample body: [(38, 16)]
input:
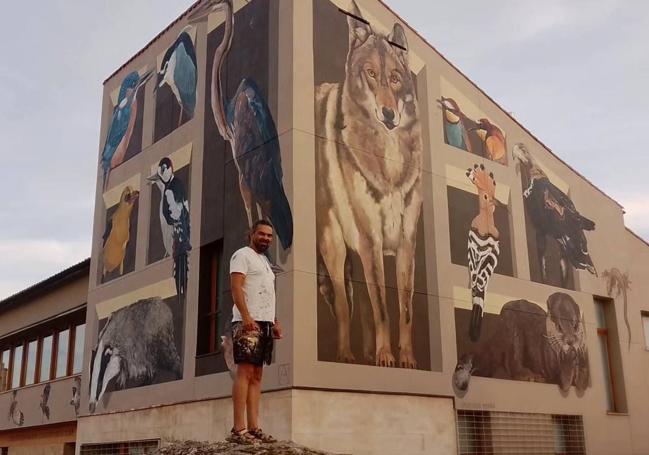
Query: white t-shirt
[(258, 287)]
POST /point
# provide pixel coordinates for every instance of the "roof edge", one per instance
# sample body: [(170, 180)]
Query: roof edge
[(637, 236), (58, 279)]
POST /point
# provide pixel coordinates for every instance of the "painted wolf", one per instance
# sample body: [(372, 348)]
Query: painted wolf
[(369, 193)]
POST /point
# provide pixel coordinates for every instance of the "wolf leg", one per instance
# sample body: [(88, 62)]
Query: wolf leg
[(406, 278), (371, 253), (333, 250)]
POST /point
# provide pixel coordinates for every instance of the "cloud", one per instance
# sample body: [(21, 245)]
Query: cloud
[(31, 261)]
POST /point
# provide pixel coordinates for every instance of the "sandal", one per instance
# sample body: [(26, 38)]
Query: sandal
[(261, 436), (242, 436)]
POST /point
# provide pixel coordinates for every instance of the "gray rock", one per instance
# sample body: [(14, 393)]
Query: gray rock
[(227, 448)]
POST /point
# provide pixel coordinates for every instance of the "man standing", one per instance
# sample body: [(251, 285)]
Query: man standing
[(254, 327)]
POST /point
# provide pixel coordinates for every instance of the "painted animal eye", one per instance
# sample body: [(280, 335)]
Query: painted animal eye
[(371, 73), (394, 79)]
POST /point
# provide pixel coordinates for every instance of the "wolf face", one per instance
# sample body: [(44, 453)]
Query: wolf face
[(378, 74)]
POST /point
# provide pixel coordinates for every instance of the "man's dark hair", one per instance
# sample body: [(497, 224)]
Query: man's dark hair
[(258, 223), (254, 227)]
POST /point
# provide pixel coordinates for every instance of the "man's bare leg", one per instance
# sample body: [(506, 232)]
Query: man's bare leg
[(240, 390), (254, 397)]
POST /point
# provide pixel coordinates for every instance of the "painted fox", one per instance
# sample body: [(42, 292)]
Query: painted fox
[(369, 194)]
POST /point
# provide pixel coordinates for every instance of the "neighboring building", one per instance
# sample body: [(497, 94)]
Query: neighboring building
[(42, 333), (447, 284)]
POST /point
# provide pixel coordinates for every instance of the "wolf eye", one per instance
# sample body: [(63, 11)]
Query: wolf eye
[(371, 73)]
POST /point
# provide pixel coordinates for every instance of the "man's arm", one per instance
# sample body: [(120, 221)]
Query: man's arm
[(236, 286)]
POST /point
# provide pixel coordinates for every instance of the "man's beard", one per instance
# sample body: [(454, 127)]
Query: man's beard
[(261, 247)]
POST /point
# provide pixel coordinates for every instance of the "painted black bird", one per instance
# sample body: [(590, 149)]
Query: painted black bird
[(554, 215), (178, 71), (175, 213)]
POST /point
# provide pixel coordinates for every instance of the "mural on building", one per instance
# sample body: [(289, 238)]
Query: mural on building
[(479, 136), (618, 285), (527, 343), (118, 249), (124, 136), (140, 344), (483, 245), (76, 395), (15, 415), (171, 208), (244, 120), (45, 398), (369, 155), (176, 84), (551, 215)]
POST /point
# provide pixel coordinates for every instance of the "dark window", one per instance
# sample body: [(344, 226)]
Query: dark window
[(79, 338), (208, 303), (4, 370), (30, 370), (62, 348), (17, 367), (609, 344), (46, 359)]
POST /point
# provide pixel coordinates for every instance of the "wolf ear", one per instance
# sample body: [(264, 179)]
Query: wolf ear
[(359, 31), (400, 44)]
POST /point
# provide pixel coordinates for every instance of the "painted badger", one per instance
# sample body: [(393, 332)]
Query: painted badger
[(136, 346)]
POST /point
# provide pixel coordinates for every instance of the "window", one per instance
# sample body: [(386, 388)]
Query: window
[(119, 448), (4, 370), (62, 353), (491, 432), (30, 370), (208, 298), (46, 359), (17, 366), (52, 349), (79, 338), (645, 327), (609, 345)]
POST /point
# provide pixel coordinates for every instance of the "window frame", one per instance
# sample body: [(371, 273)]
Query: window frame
[(21, 339)]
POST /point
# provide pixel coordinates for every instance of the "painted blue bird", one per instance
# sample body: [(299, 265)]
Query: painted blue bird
[(246, 123), (456, 130), (122, 123), (178, 71), (175, 213)]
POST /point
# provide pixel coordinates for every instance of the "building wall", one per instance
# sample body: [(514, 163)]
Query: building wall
[(359, 171), (33, 405)]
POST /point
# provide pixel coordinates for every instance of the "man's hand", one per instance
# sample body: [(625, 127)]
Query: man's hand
[(249, 324), (277, 330)]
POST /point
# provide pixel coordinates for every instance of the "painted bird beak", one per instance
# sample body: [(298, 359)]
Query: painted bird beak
[(144, 78), (206, 8)]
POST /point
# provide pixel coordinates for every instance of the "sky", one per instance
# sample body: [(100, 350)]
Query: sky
[(573, 72)]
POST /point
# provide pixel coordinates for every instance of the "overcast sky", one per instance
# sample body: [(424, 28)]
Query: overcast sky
[(574, 72)]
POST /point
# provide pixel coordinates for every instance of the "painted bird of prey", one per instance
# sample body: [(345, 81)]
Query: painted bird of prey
[(174, 220), (117, 234), (554, 215), (456, 130), (122, 123), (178, 71), (483, 245), (246, 123), (494, 146)]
